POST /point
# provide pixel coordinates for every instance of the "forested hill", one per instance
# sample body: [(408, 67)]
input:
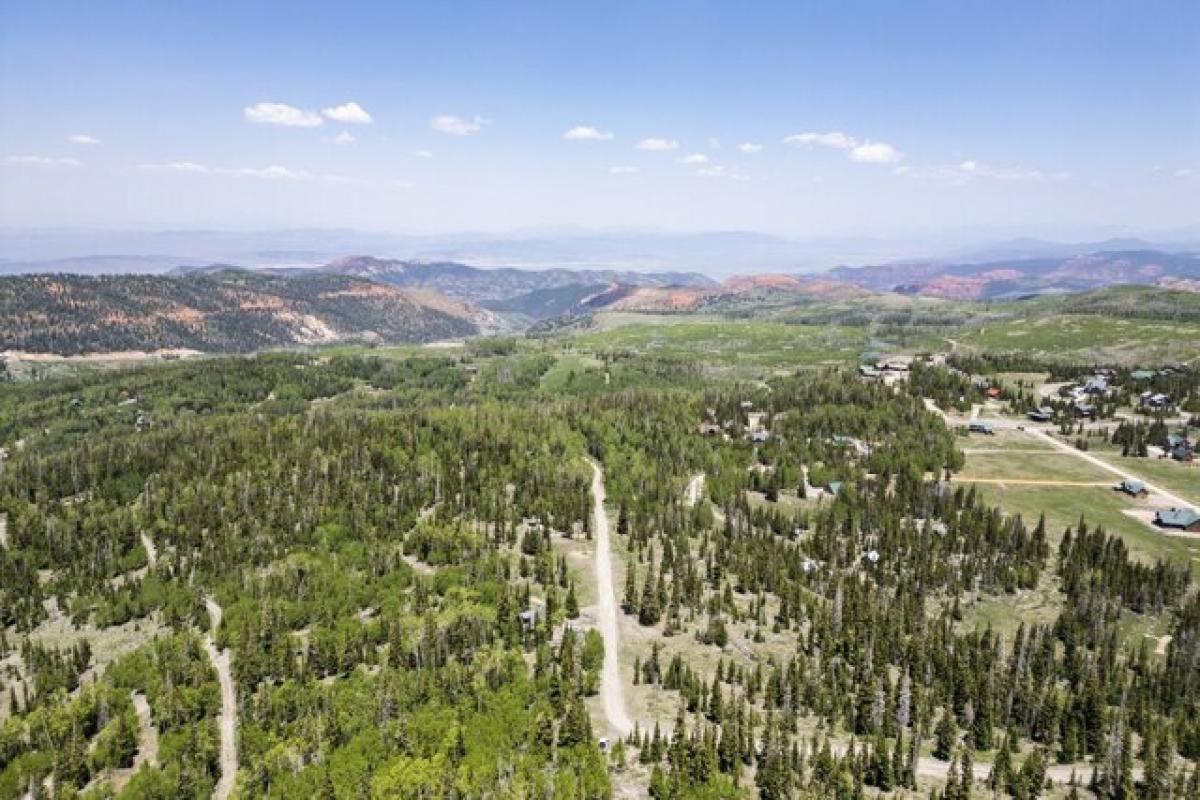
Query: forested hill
[(223, 311)]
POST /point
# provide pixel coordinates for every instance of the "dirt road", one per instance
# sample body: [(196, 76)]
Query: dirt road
[(612, 690), (228, 719), (1162, 495)]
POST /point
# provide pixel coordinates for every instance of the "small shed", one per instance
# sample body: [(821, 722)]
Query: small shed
[(1132, 488)]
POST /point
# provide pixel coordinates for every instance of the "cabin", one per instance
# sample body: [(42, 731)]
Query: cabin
[(1041, 414), (1084, 410), (1097, 384), (1154, 400), (760, 436), (1180, 519), (1132, 488), (979, 426)]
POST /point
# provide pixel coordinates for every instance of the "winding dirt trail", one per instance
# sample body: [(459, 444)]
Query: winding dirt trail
[(147, 733), (612, 691), (228, 719), (695, 488), (151, 551)]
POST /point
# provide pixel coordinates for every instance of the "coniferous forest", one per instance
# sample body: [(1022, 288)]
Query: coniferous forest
[(346, 576)]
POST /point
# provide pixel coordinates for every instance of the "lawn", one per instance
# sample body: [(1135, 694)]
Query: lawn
[(1052, 465), (1063, 507), (726, 343), (1089, 338)]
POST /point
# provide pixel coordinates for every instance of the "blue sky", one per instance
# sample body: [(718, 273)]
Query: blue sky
[(798, 118)]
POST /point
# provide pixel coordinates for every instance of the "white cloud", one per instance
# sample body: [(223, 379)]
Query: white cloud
[(424, 154), (866, 152), (83, 138), (750, 147), (586, 133), (694, 158), (875, 153), (45, 161), (658, 145), (834, 139), (1184, 172), (273, 172), (622, 170), (970, 169), (457, 126), (345, 137), (267, 113), (181, 166), (718, 171), (350, 113)]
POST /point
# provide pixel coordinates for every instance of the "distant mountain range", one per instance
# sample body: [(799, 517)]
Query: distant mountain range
[(219, 307), (1019, 277)]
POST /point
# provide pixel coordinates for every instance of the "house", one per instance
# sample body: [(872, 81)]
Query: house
[(835, 487), (760, 436), (1085, 410), (529, 618), (1132, 488), (1154, 400), (1183, 452), (979, 426), (1141, 374), (993, 392), (1181, 519), (1097, 384), (709, 428), (1041, 414), (869, 372)]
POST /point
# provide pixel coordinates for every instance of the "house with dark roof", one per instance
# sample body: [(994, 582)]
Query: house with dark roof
[(1181, 519), (1132, 488), (1041, 414), (979, 426)]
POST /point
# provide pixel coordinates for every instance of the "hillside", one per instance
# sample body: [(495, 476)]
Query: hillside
[(501, 284), (1026, 276), (221, 311)]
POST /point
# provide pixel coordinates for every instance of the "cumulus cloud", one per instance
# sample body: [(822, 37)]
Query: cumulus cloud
[(350, 113), (866, 152), (622, 170), (267, 113), (694, 158), (874, 153), (587, 133), (457, 126), (719, 171), (273, 172), (658, 145), (83, 138), (750, 147), (345, 137), (970, 169), (45, 161), (424, 154)]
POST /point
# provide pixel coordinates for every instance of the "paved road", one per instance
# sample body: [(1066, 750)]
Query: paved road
[(612, 691), (228, 719)]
